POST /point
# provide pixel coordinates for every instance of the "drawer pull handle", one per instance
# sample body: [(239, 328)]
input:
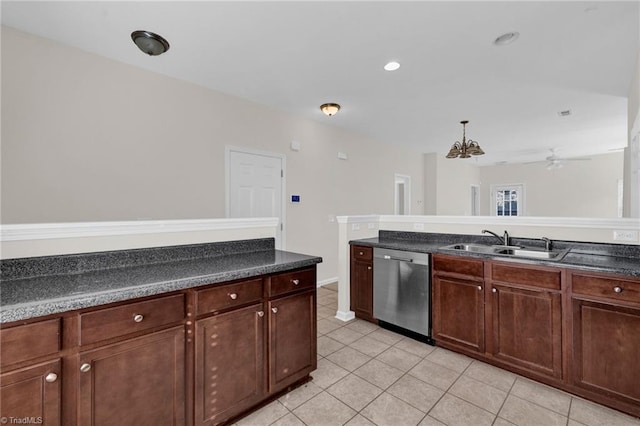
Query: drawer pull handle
[(51, 377), (274, 310), (617, 289), (233, 296), (494, 290), (260, 313), (295, 281), (85, 367), (480, 287), (138, 318)]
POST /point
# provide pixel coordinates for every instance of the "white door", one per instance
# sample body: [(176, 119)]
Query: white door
[(255, 187)]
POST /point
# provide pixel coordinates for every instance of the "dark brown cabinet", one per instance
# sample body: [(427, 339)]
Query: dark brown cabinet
[(576, 330), (32, 393), (361, 288), (253, 339), (31, 375), (200, 356), (509, 314), (458, 303), (526, 323), (606, 337), (140, 381), (230, 364), (292, 339)]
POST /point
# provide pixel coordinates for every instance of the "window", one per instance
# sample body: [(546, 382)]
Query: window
[(507, 200)]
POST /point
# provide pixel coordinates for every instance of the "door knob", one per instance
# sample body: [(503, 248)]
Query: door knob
[(51, 377), (274, 310), (85, 367)]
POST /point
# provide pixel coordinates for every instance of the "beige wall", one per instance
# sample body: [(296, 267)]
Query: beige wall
[(579, 189), (448, 185), (85, 138)]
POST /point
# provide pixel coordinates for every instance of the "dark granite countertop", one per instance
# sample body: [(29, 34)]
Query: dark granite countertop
[(55, 288), (598, 257)]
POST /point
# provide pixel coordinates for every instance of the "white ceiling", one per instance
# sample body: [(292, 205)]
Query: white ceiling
[(296, 55)]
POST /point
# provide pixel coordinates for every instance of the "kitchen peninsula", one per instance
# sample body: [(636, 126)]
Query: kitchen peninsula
[(570, 322), (203, 333)]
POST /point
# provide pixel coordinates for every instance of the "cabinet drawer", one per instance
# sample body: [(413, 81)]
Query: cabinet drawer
[(608, 287), (130, 318), (29, 341), (361, 253), (458, 265), (228, 296), (291, 281), (535, 277)]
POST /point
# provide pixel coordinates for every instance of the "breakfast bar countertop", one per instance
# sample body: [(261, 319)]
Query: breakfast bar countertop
[(36, 287)]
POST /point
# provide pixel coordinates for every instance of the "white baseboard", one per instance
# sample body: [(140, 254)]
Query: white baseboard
[(327, 281), (345, 316)]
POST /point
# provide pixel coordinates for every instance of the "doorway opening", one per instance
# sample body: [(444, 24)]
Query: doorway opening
[(402, 194)]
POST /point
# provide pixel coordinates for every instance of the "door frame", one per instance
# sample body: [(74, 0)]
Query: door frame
[(406, 181), (228, 149)]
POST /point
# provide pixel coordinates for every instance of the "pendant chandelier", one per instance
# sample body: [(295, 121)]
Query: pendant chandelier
[(464, 149)]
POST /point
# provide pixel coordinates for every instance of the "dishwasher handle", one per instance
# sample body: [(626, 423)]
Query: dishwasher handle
[(387, 257)]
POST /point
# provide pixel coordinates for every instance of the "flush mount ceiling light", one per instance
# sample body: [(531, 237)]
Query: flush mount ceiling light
[(330, 109), (507, 38), (150, 43), (464, 149), (392, 66)]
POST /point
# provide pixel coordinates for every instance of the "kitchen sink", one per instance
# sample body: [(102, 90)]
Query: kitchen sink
[(478, 248), (509, 251), (536, 254)]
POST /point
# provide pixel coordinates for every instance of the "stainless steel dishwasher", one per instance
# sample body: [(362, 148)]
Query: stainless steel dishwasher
[(402, 291)]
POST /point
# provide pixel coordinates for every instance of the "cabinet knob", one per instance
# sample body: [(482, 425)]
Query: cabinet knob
[(233, 296), (494, 290), (361, 253), (85, 367), (274, 310), (480, 287), (369, 268), (138, 318), (617, 289), (260, 313), (51, 377), (295, 281)]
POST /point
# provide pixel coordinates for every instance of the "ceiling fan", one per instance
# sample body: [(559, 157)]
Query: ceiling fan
[(555, 162)]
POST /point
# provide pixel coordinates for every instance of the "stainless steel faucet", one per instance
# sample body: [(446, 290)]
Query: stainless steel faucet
[(547, 243), (504, 240)]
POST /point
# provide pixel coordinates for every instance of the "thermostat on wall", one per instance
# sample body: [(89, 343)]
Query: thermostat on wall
[(295, 198)]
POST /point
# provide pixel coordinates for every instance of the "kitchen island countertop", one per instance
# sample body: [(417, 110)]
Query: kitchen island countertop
[(54, 289)]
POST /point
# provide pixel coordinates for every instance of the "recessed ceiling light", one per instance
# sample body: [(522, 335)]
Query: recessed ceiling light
[(392, 66), (506, 38)]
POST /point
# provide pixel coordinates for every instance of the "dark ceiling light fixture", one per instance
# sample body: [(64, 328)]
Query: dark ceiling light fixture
[(330, 109), (464, 149), (150, 43)]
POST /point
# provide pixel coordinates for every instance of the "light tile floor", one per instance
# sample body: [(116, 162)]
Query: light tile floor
[(371, 376)]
